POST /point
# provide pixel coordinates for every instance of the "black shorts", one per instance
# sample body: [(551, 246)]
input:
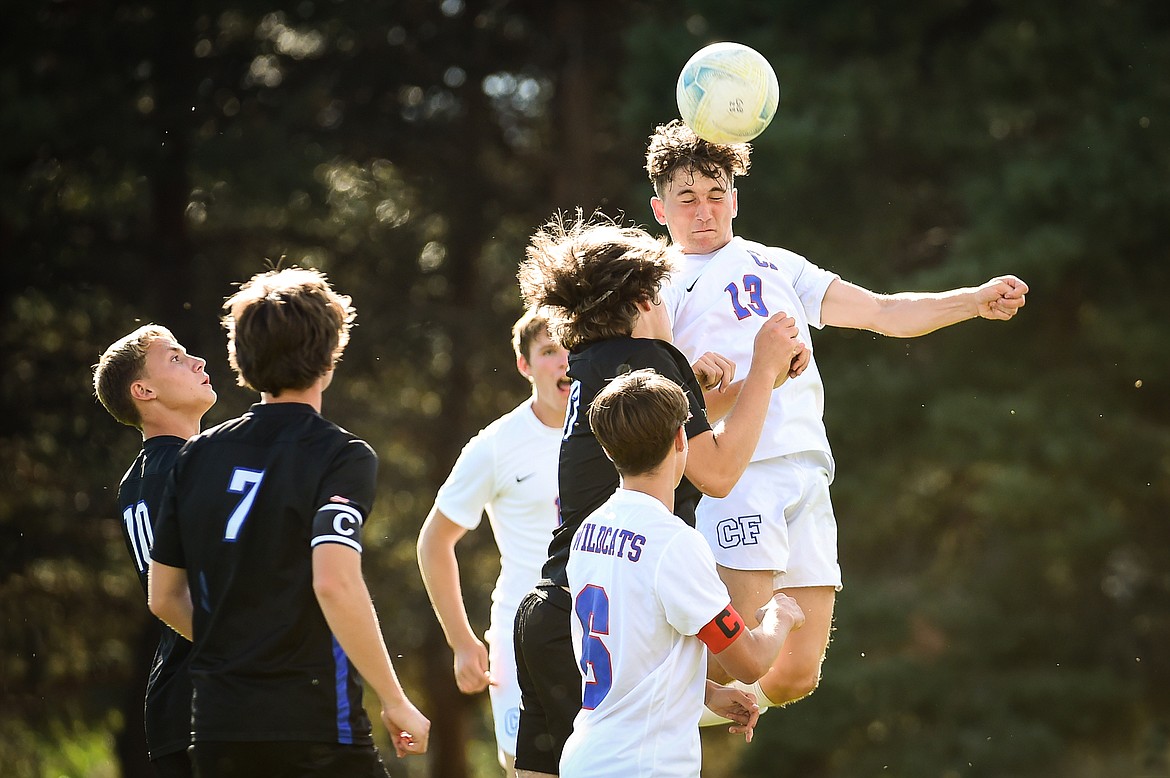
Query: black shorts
[(292, 759), (173, 765), (550, 684)]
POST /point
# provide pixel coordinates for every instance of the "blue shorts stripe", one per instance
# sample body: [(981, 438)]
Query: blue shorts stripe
[(341, 677)]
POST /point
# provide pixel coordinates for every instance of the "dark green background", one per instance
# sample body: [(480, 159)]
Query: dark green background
[(1002, 489)]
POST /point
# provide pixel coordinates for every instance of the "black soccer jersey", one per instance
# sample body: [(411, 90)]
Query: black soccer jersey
[(168, 688), (246, 504), (586, 476)]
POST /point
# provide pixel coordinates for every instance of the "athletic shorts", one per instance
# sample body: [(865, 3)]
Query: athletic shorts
[(173, 765), (550, 683), (504, 691), (778, 517), (286, 759)]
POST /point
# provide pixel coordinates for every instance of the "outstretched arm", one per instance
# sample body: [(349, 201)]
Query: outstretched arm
[(345, 602), (440, 573), (910, 314)]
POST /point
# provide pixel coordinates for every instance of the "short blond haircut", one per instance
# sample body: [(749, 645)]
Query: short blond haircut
[(526, 330), (120, 365)]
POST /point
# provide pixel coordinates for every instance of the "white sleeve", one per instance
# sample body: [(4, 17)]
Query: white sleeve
[(690, 590), (471, 484), (809, 281)]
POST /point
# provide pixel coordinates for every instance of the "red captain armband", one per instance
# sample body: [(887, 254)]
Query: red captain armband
[(721, 631)]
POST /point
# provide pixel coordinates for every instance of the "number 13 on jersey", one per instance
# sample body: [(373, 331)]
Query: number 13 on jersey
[(753, 287)]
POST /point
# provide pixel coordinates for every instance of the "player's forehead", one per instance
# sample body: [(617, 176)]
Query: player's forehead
[(542, 340), (688, 180), (162, 347)]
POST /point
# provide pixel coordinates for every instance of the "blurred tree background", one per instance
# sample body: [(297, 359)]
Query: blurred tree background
[(1003, 489)]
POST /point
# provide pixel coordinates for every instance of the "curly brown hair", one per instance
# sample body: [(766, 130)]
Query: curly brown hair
[(675, 145), (590, 275)]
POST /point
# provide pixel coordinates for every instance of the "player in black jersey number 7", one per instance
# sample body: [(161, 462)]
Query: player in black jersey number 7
[(258, 557)]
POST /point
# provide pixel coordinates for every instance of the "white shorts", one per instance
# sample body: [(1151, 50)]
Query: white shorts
[(778, 517), (505, 695)]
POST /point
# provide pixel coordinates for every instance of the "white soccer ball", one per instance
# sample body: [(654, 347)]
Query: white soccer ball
[(727, 93)]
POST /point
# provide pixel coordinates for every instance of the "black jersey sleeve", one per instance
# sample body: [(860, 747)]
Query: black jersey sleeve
[(168, 544), (346, 496)]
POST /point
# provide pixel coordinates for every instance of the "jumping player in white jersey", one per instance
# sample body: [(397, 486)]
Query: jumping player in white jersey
[(776, 531), (647, 599), (510, 470)]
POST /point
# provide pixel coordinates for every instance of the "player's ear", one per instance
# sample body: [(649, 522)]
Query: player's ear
[(139, 391), (659, 209), (523, 367), (680, 439), (734, 202)]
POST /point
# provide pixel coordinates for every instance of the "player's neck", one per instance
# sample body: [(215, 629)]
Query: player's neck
[(550, 414), (700, 251), (658, 484), (171, 424), (305, 396), (309, 396)]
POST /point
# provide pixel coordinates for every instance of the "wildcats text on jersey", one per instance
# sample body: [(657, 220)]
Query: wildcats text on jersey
[(610, 541)]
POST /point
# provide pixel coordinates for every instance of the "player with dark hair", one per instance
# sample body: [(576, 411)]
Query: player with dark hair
[(148, 381), (776, 531), (508, 470), (647, 601), (258, 556), (599, 283)]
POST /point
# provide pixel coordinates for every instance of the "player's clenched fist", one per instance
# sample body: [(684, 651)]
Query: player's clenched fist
[(409, 729), (713, 371), (1001, 298), (471, 668), (778, 345), (782, 607)]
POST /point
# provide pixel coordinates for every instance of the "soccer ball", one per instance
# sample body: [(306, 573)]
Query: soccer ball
[(727, 93)]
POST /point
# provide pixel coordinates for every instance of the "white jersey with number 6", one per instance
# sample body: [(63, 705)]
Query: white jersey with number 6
[(643, 585)]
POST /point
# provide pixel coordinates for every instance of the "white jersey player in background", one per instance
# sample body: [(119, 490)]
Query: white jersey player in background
[(508, 470), (776, 530), (648, 602)]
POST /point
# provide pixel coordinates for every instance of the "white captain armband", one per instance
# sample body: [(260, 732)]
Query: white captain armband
[(338, 523)]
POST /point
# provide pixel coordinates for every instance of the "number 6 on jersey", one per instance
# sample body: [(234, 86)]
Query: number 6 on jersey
[(592, 608)]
